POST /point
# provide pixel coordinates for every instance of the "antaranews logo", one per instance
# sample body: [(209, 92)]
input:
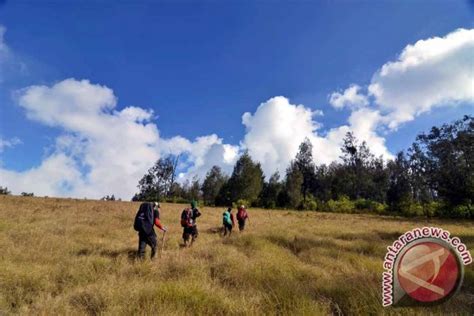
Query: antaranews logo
[(423, 266)]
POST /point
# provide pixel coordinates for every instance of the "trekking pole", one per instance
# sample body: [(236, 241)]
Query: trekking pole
[(162, 243)]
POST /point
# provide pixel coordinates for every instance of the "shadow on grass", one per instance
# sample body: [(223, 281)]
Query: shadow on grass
[(214, 230), (389, 236), (300, 244), (129, 253)]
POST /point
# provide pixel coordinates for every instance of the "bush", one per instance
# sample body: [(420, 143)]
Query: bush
[(413, 209), (240, 202), (463, 211), (4, 191), (341, 205), (369, 205), (431, 209), (311, 203)]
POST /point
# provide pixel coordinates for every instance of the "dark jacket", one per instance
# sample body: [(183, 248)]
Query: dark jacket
[(146, 218)]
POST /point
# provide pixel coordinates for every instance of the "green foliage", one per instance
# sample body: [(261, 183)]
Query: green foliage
[(435, 177), (212, 184), (4, 191), (341, 205), (156, 184), (459, 211), (271, 189), (245, 183), (108, 198), (240, 202), (310, 204), (370, 206), (293, 183), (27, 194), (447, 155), (305, 164), (399, 194)]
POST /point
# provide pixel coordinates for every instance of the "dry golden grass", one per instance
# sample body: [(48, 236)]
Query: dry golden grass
[(64, 256)]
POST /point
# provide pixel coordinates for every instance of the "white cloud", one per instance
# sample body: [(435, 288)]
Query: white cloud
[(277, 128), (10, 66), (201, 154), (55, 176), (434, 72), (274, 132), (115, 147), (350, 98), (8, 143), (102, 150)]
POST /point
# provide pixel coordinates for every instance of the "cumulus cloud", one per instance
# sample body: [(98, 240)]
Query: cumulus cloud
[(350, 98), (277, 128), (201, 154), (102, 150), (434, 72), (57, 175), (274, 132)]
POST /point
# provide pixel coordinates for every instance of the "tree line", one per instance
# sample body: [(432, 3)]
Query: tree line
[(433, 177)]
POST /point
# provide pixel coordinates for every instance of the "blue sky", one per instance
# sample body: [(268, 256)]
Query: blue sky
[(201, 65)]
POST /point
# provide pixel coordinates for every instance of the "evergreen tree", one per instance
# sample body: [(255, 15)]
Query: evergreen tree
[(158, 181), (271, 190), (293, 182), (448, 154), (399, 195), (304, 162), (246, 181), (212, 184)]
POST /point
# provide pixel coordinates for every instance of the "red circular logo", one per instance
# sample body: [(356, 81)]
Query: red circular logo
[(428, 272)]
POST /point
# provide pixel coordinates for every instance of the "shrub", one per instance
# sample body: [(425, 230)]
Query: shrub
[(463, 211), (240, 202), (341, 205), (431, 209), (413, 209), (311, 204), (4, 191), (369, 205)]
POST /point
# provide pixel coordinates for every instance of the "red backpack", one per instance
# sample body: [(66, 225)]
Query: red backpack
[(241, 214)]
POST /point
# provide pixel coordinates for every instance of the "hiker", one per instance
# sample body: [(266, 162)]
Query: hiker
[(147, 216), (188, 222), (228, 221), (242, 217)]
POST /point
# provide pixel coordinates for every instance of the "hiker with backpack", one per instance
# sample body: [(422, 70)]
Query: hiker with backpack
[(188, 222), (228, 221), (147, 217), (242, 217)]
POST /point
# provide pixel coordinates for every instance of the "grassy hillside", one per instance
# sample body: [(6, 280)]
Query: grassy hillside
[(61, 256)]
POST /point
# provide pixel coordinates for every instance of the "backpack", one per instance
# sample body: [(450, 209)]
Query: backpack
[(186, 218), (226, 218), (241, 214), (144, 218)]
